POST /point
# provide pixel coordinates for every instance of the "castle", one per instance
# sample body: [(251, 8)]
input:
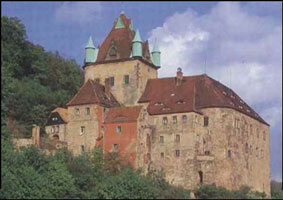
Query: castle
[(194, 128)]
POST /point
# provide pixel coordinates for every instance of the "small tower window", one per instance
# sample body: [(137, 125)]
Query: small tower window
[(77, 111), (229, 154), (165, 121), (205, 121), (184, 117), (175, 119), (177, 153), (82, 130), (162, 139), (111, 80), (118, 129), (177, 138), (126, 79), (200, 177), (87, 110)]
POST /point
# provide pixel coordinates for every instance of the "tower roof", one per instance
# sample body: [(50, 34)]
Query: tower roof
[(120, 40), (137, 37), (155, 47), (90, 43)]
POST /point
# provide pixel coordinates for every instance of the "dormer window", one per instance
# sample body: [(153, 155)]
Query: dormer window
[(158, 104), (165, 108), (113, 51), (180, 102)]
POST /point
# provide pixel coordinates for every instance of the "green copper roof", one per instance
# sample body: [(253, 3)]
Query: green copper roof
[(89, 43), (137, 37), (155, 47), (119, 23)]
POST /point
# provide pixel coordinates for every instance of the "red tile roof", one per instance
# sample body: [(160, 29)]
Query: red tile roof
[(195, 93), (123, 114), (122, 37), (62, 112), (93, 93)]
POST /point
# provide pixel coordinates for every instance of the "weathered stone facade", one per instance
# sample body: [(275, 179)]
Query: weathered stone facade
[(126, 94), (193, 128)]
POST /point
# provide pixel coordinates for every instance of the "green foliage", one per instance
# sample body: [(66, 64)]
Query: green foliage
[(276, 190), (34, 81), (214, 192)]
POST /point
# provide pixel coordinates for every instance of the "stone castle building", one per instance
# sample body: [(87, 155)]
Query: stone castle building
[(194, 128)]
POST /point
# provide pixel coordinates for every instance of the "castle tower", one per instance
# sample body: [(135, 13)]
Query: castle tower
[(90, 52), (137, 45), (125, 59), (156, 55)]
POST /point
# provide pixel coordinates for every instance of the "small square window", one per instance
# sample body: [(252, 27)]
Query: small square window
[(177, 153), (162, 139), (87, 110), (165, 121), (184, 117), (118, 129), (174, 119), (205, 121), (77, 111), (177, 138), (126, 79), (115, 147), (207, 153)]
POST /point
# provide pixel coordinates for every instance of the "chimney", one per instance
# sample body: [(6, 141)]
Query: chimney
[(107, 87), (179, 77)]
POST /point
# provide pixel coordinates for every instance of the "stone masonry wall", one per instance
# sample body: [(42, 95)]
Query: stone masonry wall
[(203, 150), (76, 140), (126, 94)]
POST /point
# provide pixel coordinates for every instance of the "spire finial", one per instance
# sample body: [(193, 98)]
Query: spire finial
[(122, 13), (137, 37), (90, 43)]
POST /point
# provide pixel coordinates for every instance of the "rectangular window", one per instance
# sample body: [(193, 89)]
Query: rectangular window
[(177, 153), (251, 129), (174, 119), (177, 138), (82, 148), (162, 139), (118, 129), (115, 147), (205, 121), (87, 110), (264, 135), (111, 80), (53, 129), (162, 155), (57, 129), (126, 79), (184, 117), (77, 111), (229, 154), (165, 121), (82, 130)]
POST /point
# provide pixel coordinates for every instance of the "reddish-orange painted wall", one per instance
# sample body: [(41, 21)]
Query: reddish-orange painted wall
[(126, 139)]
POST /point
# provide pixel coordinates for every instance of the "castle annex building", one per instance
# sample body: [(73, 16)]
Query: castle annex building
[(195, 129)]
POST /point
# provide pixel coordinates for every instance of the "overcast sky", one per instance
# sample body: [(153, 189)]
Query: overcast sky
[(239, 44)]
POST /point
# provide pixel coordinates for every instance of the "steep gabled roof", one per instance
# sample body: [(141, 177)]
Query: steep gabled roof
[(62, 112), (193, 94), (93, 93), (122, 39), (123, 114)]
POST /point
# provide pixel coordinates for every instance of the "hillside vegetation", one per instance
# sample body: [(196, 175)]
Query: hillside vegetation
[(33, 83)]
